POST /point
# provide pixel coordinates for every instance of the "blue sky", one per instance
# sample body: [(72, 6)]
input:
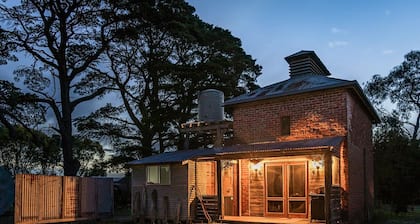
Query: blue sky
[(354, 39)]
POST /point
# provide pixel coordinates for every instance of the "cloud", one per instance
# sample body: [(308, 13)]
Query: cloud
[(337, 43), (336, 30), (389, 51)]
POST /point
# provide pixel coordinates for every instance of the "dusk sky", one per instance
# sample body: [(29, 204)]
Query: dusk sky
[(354, 39)]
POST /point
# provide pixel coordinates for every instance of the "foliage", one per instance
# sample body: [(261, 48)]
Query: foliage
[(401, 87), (14, 107), (91, 156), (158, 70), (66, 40), (396, 165), (28, 151), (5, 49)]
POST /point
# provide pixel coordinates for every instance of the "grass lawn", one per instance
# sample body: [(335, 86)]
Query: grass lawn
[(384, 215)]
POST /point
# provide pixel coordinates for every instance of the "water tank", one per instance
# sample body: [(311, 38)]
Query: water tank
[(6, 191), (210, 105)]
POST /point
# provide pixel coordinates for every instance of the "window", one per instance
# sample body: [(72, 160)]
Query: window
[(158, 174), (285, 125), (335, 171)]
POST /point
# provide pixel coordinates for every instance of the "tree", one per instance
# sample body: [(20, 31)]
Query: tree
[(28, 151), (5, 49), (396, 145), (14, 108), (66, 40), (402, 88), (158, 71), (91, 156), (396, 165), (22, 147)]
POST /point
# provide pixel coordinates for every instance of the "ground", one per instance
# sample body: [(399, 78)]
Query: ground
[(384, 215)]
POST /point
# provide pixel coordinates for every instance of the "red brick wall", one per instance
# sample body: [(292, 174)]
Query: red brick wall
[(360, 166), (312, 115)]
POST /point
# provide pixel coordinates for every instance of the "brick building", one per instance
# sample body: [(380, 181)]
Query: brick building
[(301, 151)]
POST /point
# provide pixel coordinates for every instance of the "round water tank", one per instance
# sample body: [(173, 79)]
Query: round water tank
[(210, 105)]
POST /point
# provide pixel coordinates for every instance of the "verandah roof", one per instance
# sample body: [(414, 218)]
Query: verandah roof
[(236, 150)]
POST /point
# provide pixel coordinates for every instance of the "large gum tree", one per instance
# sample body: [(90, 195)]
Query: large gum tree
[(402, 88), (158, 70), (64, 40)]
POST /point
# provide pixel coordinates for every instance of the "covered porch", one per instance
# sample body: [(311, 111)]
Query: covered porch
[(273, 183)]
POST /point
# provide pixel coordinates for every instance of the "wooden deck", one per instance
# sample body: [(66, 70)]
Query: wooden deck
[(253, 219)]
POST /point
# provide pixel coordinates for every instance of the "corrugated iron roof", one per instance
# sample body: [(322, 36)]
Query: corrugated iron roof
[(172, 157), (182, 155), (295, 85), (282, 146)]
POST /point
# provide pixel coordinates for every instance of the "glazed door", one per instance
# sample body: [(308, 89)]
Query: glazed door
[(275, 199), (230, 187), (286, 190)]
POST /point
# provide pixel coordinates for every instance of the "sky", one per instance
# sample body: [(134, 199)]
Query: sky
[(354, 39)]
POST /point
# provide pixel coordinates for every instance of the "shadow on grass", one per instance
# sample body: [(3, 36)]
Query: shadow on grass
[(384, 215)]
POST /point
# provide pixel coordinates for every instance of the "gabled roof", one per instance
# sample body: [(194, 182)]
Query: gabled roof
[(251, 149), (307, 74)]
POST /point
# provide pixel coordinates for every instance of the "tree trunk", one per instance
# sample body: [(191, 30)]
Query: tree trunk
[(71, 166), (416, 129)]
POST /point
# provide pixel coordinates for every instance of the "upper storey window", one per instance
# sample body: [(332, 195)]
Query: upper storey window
[(285, 125)]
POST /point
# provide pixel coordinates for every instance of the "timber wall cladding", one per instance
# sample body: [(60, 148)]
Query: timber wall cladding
[(256, 192), (42, 199), (245, 181)]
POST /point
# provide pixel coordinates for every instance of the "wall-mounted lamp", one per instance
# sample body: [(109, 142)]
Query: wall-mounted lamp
[(228, 163), (256, 167), (316, 164)]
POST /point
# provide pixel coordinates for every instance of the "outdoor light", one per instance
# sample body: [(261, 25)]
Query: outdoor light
[(316, 165), (256, 166)]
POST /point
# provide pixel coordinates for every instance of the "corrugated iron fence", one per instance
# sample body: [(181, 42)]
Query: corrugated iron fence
[(46, 199)]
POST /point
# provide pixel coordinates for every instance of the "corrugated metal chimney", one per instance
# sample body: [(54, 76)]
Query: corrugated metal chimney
[(306, 62)]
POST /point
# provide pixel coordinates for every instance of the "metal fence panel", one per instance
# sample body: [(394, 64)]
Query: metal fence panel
[(46, 199), (105, 199), (89, 197), (71, 197), (50, 197)]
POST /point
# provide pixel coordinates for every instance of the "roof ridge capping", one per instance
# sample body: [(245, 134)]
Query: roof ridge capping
[(306, 62)]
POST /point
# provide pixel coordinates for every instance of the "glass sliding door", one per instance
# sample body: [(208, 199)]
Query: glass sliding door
[(286, 189)]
